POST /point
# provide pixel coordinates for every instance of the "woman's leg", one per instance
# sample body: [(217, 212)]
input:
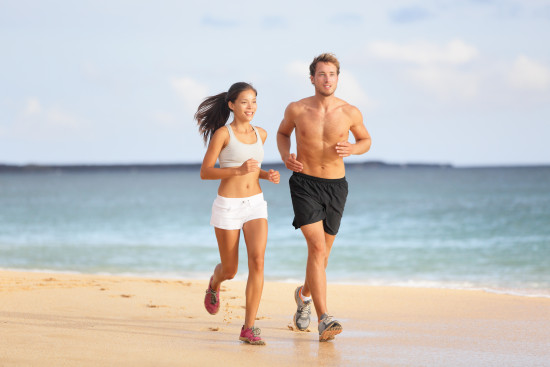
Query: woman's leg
[(228, 245), (255, 236)]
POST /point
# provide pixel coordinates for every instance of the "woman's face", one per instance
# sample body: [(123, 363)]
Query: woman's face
[(244, 107)]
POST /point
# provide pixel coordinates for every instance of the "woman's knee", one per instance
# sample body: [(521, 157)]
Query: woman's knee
[(256, 263), (229, 272)]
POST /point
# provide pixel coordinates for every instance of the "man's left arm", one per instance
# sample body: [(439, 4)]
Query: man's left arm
[(360, 133)]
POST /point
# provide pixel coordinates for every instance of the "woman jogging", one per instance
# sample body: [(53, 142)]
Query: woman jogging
[(240, 203)]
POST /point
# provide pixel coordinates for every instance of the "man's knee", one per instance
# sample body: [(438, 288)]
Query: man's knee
[(317, 249)]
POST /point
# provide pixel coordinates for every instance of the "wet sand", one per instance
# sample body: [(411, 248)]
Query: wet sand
[(89, 320)]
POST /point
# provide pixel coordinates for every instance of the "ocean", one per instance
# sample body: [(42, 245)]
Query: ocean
[(443, 227)]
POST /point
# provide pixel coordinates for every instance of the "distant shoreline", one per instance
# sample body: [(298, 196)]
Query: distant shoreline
[(196, 166), (182, 166)]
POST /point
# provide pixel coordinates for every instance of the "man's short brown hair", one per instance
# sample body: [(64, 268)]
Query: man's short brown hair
[(326, 57)]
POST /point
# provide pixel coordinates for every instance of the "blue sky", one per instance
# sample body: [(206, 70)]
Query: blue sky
[(460, 82)]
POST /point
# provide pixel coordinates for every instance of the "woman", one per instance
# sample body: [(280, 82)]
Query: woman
[(239, 203)]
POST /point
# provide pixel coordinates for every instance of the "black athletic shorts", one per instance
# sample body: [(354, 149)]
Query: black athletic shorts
[(315, 199)]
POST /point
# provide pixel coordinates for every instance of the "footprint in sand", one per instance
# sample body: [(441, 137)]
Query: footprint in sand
[(293, 328)]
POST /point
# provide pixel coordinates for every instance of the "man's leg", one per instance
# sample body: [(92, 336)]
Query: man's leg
[(329, 241), (317, 260), (316, 281)]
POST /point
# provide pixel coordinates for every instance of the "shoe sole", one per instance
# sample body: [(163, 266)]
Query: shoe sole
[(330, 332), (212, 313), (296, 295), (243, 339)]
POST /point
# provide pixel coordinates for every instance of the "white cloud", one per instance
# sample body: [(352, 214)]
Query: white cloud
[(350, 90), (32, 107), (434, 67), (34, 113), (37, 122), (191, 92), (446, 82), (57, 117), (529, 74), (456, 52), (165, 119), (298, 69)]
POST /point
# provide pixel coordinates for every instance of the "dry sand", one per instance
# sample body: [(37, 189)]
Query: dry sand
[(90, 320)]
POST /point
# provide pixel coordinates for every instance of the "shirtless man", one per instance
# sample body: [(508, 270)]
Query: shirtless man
[(318, 185)]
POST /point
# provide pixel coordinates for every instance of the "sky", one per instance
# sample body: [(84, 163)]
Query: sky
[(118, 82)]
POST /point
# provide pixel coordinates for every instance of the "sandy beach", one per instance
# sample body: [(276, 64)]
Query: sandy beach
[(91, 320)]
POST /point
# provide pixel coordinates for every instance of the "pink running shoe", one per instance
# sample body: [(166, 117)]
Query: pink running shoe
[(251, 336), (211, 299)]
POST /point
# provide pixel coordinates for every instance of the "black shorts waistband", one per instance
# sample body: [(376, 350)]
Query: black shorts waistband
[(319, 179)]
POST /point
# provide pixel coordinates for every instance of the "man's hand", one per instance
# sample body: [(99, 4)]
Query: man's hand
[(344, 148), (292, 164)]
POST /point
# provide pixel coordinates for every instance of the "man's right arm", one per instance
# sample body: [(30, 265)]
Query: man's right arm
[(283, 139)]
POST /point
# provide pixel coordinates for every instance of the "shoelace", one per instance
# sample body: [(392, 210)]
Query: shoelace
[(306, 309), (327, 320), (256, 331), (213, 293)]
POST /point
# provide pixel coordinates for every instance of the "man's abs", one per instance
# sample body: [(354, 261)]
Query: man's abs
[(321, 166)]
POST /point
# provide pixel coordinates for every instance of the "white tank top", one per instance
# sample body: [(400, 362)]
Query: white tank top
[(236, 153)]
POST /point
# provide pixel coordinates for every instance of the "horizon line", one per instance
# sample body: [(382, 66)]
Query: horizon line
[(366, 163)]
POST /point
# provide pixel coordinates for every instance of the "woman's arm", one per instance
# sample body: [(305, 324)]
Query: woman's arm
[(270, 175)]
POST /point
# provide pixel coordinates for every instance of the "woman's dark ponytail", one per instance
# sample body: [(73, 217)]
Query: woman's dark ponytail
[(212, 114)]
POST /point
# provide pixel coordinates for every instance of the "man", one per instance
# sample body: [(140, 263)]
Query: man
[(318, 185)]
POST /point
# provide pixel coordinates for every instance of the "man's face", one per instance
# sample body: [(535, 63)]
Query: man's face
[(325, 78)]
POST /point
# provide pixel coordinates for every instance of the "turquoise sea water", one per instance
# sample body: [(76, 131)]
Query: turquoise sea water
[(470, 228)]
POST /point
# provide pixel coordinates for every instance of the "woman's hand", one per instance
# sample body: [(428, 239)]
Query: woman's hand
[(248, 166), (273, 176)]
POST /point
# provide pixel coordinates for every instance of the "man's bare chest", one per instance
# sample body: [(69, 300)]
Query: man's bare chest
[(323, 127)]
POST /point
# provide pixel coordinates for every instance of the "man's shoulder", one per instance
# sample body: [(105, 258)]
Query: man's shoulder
[(299, 107), (302, 103), (348, 108)]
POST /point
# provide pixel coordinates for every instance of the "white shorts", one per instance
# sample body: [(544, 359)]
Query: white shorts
[(232, 213)]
